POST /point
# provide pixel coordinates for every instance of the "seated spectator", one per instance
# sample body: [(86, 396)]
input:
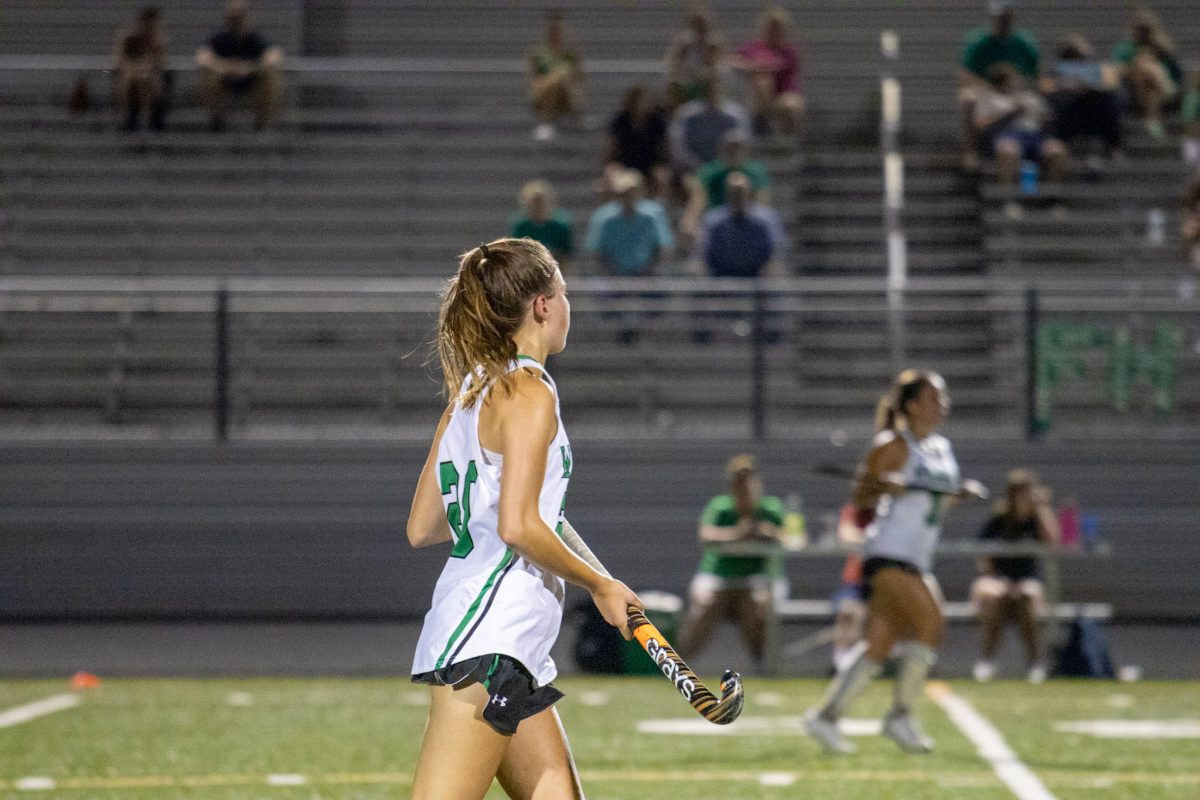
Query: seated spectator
[(140, 64), (1008, 588), (1191, 222), (1010, 124), (637, 139), (239, 63), (741, 239), (707, 188), (693, 58), (1150, 69), (772, 64), (1190, 115), (1002, 43), (629, 235), (1082, 91), (555, 75), (699, 127), (541, 221), (741, 588)]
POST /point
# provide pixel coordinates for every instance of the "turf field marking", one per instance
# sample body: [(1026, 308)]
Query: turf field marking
[(240, 699), (415, 698), (1120, 701), (752, 726), (990, 743), (771, 699), (286, 780), (34, 783), (1133, 728), (38, 708), (776, 779), (593, 698)]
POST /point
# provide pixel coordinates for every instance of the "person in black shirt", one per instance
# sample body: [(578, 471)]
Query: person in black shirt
[(238, 62), (637, 139), (1008, 588)]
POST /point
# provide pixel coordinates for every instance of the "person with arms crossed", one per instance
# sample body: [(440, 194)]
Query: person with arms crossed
[(494, 487), (742, 587), (909, 475)]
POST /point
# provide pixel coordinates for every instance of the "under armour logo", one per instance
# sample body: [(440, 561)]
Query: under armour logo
[(503, 701)]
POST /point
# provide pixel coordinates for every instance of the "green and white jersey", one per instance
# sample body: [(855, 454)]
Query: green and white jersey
[(489, 599), (721, 512), (907, 527)]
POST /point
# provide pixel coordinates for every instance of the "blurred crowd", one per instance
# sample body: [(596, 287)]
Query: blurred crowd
[(677, 177)]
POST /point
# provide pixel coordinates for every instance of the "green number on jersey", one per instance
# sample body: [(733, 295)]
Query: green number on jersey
[(935, 507), (458, 512)]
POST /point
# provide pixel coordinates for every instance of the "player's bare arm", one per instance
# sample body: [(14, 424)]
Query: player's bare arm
[(526, 423), (427, 522)]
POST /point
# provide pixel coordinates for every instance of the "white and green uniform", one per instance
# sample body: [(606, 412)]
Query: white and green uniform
[(906, 528), (489, 599)]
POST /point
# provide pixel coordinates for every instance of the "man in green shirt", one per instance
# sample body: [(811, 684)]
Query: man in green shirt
[(541, 221), (1001, 43), (706, 190), (737, 586)]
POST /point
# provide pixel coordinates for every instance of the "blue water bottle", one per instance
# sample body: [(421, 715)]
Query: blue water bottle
[(1029, 177)]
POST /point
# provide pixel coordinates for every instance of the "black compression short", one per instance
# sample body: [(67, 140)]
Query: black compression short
[(513, 695)]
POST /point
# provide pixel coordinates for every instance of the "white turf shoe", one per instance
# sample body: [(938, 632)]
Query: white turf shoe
[(984, 671), (904, 729), (826, 733), (1037, 674)]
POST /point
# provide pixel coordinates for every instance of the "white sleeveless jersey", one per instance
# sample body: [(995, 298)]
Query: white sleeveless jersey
[(907, 527), (488, 598)]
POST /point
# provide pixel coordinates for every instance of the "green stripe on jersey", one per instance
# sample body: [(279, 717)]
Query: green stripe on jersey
[(474, 607)]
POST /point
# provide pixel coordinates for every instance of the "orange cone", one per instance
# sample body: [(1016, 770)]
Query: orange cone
[(84, 680)]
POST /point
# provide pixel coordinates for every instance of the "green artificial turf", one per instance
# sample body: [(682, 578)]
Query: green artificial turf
[(358, 739)]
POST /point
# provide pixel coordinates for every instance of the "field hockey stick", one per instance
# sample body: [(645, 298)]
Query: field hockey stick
[(968, 488), (674, 668)]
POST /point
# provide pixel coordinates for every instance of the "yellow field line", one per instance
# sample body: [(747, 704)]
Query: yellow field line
[(960, 778)]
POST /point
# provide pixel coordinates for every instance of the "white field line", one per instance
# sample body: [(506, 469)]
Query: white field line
[(991, 745), (38, 708)]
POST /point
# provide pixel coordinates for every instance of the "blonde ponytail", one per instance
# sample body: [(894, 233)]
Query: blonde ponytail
[(484, 305)]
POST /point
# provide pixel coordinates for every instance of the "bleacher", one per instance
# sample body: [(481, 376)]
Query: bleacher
[(391, 173)]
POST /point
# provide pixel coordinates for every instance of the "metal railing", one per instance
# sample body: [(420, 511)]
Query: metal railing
[(768, 359)]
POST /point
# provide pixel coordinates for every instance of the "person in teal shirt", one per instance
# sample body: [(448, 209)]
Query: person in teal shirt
[(1002, 43), (629, 235), (541, 221), (735, 586)]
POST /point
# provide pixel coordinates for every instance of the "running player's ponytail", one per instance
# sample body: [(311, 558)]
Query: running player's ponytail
[(483, 306), (908, 385)]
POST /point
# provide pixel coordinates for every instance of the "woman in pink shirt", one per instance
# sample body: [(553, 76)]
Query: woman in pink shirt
[(772, 64)]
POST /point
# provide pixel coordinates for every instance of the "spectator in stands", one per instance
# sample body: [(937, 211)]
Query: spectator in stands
[(1150, 69), (1010, 124), (693, 58), (555, 74), (1008, 588), (1082, 91), (140, 65), (541, 221), (772, 65), (637, 139), (706, 189), (741, 239), (1191, 122), (741, 587), (626, 235), (239, 63), (1191, 222), (1002, 43), (699, 127)]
